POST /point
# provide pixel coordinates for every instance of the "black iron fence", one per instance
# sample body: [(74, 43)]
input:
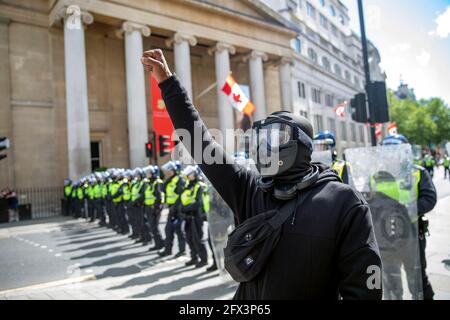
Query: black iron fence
[(45, 201)]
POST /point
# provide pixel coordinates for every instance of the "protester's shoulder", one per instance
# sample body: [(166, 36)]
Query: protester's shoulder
[(339, 192)]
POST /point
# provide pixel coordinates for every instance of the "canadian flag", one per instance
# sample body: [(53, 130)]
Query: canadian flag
[(237, 97), (392, 129), (377, 129), (340, 108)]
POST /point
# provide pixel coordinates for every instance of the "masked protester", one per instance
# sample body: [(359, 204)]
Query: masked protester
[(326, 246)]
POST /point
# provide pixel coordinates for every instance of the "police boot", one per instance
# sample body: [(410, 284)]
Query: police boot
[(164, 253), (179, 254), (201, 263), (191, 262), (212, 268), (156, 248)]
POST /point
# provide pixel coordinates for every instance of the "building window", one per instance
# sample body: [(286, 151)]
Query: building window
[(356, 81), (298, 45), (322, 2), (323, 21), (334, 31), (342, 19), (310, 10), (332, 125), (315, 93), (332, 11), (348, 76), (337, 70), (312, 55), (301, 89), (361, 133), (318, 123), (95, 155), (304, 114), (343, 131), (326, 63), (328, 100)]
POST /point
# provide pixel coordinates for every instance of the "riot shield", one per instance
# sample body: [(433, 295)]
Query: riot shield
[(447, 147), (323, 157), (387, 178), (220, 224)]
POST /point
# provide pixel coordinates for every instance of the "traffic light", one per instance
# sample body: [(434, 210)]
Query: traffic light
[(149, 149), (378, 104), (163, 145), (358, 106), (4, 144)]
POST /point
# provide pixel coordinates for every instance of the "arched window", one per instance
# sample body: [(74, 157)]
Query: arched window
[(337, 70), (312, 55), (332, 11), (326, 63)]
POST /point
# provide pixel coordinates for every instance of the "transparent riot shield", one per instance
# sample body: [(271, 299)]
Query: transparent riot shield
[(323, 157), (386, 176), (220, 224), (447, 147)]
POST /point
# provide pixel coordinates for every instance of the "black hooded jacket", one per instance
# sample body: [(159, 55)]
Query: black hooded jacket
[(328, 250)]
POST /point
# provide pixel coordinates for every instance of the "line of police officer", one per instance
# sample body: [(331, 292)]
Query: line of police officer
[(131, 202)]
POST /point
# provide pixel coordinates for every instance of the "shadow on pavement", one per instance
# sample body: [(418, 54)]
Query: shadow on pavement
[(100, 253), (94, 245), (116, 259), (173, 286), (149, 279), (86, 240), (209, 293)]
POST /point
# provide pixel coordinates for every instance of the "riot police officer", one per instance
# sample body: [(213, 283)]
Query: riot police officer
[(173, 187), (426, 200), (325, 140), (429, 163), (68, 188), (153, 202), (126, 197), (195, 205), (116, 196), (136, 211), (446, 165)]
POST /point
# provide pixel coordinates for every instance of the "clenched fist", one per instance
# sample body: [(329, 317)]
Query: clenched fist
[(154, 61)]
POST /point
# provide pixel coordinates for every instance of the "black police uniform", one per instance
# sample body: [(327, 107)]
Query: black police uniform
[(328, 249), (193, 217), (173, 225), (426, 200), (152, 215)]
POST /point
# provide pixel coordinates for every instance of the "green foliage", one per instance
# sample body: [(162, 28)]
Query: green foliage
[(423, 122)]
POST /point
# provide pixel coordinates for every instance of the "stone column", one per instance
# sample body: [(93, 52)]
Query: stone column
[(222, 63), (286, 83), (258, 93), (136, 99), (6, 129), (78, 139), (181, 43)]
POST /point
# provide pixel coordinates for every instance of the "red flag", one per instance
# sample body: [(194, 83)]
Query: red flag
[(378, 129), (162, 125), (237, 97), (392, 129), (340, 109)]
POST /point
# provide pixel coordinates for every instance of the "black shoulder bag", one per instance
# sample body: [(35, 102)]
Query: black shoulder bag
[(251, 243)]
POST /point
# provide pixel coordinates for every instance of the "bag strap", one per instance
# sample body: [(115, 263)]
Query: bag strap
[(286, 209)]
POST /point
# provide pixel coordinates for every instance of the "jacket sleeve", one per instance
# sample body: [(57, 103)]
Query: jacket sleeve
[(426, 199), (158, 189), (229, 179), (359, 261)]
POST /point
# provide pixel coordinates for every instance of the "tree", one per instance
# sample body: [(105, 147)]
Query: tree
[(423, 122)]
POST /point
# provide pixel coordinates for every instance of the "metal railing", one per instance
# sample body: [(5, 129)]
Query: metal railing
[(45, 201)]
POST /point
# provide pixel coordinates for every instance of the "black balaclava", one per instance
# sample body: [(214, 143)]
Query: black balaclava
[(302, 163)]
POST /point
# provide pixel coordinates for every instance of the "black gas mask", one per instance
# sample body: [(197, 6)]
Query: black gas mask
[(281, 148)]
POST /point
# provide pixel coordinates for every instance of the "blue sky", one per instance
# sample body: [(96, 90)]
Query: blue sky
[(413, 37)]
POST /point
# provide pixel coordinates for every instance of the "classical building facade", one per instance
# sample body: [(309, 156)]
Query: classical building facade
[(328, 67), (73, 95)]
